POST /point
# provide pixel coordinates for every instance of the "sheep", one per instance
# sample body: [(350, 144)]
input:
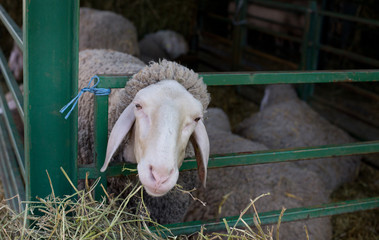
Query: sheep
[(286, 186), (285, 121), (107, 30), (97, 29), (15, 62), (163, 44), (162, 106)]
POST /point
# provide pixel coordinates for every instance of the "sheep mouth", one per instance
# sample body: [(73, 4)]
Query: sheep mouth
[(155, 192)]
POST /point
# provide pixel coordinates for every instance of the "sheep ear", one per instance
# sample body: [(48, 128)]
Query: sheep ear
[(118, 133), (200, 142)]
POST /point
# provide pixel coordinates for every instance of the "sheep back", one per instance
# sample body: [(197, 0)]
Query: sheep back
[(164, 44), (107, 30), (292, 123)]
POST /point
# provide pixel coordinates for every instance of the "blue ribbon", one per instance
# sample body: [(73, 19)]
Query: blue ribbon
[(93, 89)]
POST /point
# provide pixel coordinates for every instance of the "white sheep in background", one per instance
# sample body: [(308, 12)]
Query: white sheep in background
[(286, 182), (157, 113), (164, 44), (15, 63), (285, 121), (107, 30)]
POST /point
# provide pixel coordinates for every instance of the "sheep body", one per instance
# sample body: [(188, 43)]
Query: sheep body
[(284, 181), (171, 207), (107, 30), (163, 44), (287, 122)]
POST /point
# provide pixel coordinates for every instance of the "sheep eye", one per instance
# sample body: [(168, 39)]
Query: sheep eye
[(138, 106), (197, 119)]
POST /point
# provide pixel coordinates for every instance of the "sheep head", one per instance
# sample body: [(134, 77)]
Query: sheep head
[(161, 119)]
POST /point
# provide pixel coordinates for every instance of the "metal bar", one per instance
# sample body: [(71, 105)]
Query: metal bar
[(12, 27), (268, 20), (239, 33), (288, 6), (12, 85), (275, 34), (347, 110), (50, 81), (14, 136), (248, 78), (361, 91), (11, 170), (251, 78), (310, 49), (6, 174), (272, 217), (367, 21), (249, 50), (350, 55), (219, 17), (258, 157), (290, 64), (280, 5), (100, 141)]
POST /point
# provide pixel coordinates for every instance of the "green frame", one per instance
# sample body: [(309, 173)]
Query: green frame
[(50, 75)]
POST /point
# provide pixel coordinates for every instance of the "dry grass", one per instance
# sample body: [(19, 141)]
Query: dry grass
[(362, 225), (1, 192), (79, 216)]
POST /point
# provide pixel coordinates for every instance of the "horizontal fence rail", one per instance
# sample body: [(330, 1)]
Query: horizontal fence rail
[(253, 78), (258, 157), (272, 217)]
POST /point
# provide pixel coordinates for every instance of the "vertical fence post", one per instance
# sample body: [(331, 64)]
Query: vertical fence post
[(50, 31), (239, 32), (310, 47)]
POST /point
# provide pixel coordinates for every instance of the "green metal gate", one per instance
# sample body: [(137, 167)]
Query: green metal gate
[(50, 46)]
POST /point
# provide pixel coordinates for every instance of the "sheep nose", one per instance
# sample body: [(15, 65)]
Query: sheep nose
[(160, 175)]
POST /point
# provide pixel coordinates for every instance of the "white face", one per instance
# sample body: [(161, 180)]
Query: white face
[(166, 116)]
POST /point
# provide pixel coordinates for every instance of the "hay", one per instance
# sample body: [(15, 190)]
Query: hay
[(358, 225), (1, 191), (79, 216)]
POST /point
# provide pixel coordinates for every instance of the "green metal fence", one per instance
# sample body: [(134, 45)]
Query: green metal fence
[(50, 47), (238, 159), (309, 39)]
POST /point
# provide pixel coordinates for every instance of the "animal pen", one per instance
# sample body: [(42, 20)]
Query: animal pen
[(49, 41)]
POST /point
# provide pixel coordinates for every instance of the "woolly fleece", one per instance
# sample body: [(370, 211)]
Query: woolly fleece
[(107, 30), (163, 44), (288, 122), (171, 207)]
